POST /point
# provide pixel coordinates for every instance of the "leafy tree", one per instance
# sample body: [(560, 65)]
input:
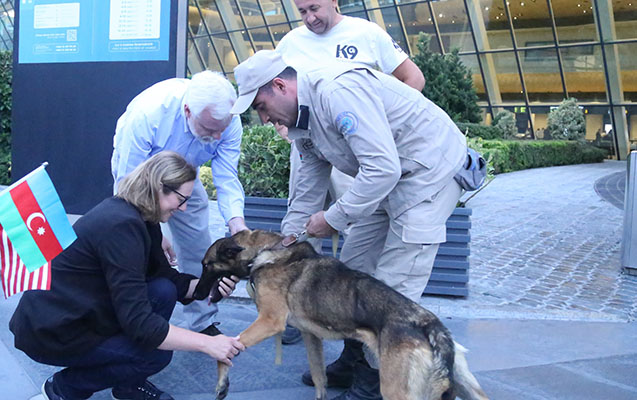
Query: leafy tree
[(246, 117), (567, 121), (448, 82), (505, 121), (6, 59)]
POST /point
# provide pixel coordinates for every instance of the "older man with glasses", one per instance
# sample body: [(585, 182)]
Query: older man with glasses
[(191, 117)]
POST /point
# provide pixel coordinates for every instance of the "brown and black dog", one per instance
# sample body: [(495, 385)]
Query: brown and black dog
[(417, 357)]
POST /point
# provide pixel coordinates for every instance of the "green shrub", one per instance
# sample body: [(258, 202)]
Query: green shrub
[(264, 162), (205, 176), (448, 82), (505, 122), (478, 145), (246, 116), (6, 59), (567, 121), (476, 130), (516, 155), (264, 165)]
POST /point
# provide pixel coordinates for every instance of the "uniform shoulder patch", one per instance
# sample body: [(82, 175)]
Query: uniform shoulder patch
[(347, 122)]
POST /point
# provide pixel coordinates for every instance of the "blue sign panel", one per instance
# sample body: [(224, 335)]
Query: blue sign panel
[(57, 31)]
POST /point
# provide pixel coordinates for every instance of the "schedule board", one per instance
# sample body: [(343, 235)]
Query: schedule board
[(57, 31)]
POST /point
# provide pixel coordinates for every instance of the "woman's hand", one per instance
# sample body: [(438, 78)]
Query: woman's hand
[(171, 256), (220, 347), (223, 348)]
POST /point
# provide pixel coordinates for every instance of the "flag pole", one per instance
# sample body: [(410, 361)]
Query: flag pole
[(42, 166)]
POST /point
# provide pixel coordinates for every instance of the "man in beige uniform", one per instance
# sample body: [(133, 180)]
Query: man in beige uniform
[(402, 150), (329, 37)]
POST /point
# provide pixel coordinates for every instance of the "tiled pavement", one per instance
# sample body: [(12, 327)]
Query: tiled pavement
[(612, 188), (545, 318), (544, 244)]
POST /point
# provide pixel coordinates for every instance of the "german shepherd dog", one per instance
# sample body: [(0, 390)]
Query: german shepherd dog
[(323, 298)]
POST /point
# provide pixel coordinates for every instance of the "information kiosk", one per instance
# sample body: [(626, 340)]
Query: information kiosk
[(77, 64)]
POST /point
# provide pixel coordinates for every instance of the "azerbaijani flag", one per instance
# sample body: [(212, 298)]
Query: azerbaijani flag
[(34, 219)]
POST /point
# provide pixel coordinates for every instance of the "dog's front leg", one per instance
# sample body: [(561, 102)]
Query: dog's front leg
[(223, 383), (266, 325), (273, 312), (314, 348)]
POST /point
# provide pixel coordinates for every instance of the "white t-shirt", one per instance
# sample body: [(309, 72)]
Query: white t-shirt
[(351, 40)]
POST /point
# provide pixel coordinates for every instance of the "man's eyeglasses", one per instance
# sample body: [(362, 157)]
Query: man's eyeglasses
[(184, 198)]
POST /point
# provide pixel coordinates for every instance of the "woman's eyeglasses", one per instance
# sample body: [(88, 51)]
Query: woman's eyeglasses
[(184, 198)]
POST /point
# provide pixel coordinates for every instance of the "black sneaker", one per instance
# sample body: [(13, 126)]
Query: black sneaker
[(145, 391), (291, 335), (212, 330), (48, 390)]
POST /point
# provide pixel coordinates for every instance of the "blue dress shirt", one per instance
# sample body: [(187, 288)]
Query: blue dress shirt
[(155, 121)]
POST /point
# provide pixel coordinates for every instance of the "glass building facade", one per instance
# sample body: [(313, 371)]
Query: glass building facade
[(526, 56), (6, 24)]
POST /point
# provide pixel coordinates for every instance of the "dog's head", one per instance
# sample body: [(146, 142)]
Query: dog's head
[(232, 256)]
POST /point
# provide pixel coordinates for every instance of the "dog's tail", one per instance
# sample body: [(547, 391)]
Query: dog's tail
[(466, 385)]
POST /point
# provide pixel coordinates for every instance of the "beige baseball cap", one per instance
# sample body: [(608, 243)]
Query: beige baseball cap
[(253, 73)]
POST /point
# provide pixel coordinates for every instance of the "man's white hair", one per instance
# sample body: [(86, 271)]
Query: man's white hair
[(208, 88)]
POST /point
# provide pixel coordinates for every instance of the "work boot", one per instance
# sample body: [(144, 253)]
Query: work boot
[(340, 372), (212, 330), (366, 385)]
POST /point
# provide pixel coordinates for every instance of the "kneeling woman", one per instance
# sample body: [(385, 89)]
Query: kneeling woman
[(112, 293)]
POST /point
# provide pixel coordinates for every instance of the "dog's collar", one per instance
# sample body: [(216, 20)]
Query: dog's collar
[(294, 238)]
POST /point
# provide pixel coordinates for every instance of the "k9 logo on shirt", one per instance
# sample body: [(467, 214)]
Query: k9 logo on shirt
[(346, 51)]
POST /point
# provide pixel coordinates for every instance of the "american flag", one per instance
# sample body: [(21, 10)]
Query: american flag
[(14, 275)]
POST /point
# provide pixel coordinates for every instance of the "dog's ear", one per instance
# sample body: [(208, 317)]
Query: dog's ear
[(228, 250)]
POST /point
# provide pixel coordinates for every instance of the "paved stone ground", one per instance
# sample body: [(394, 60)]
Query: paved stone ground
[(544, 244), (612, 188)]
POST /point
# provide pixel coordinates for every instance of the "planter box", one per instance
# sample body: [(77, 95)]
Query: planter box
[(450, 274)]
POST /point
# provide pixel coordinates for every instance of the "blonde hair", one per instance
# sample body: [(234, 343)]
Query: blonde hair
[(141, 187)]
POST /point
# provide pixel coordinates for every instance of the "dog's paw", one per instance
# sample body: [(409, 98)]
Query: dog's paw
[(222, 389), (321, 393)]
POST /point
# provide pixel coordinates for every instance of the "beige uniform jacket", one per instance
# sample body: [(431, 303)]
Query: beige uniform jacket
[(399, 146)]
